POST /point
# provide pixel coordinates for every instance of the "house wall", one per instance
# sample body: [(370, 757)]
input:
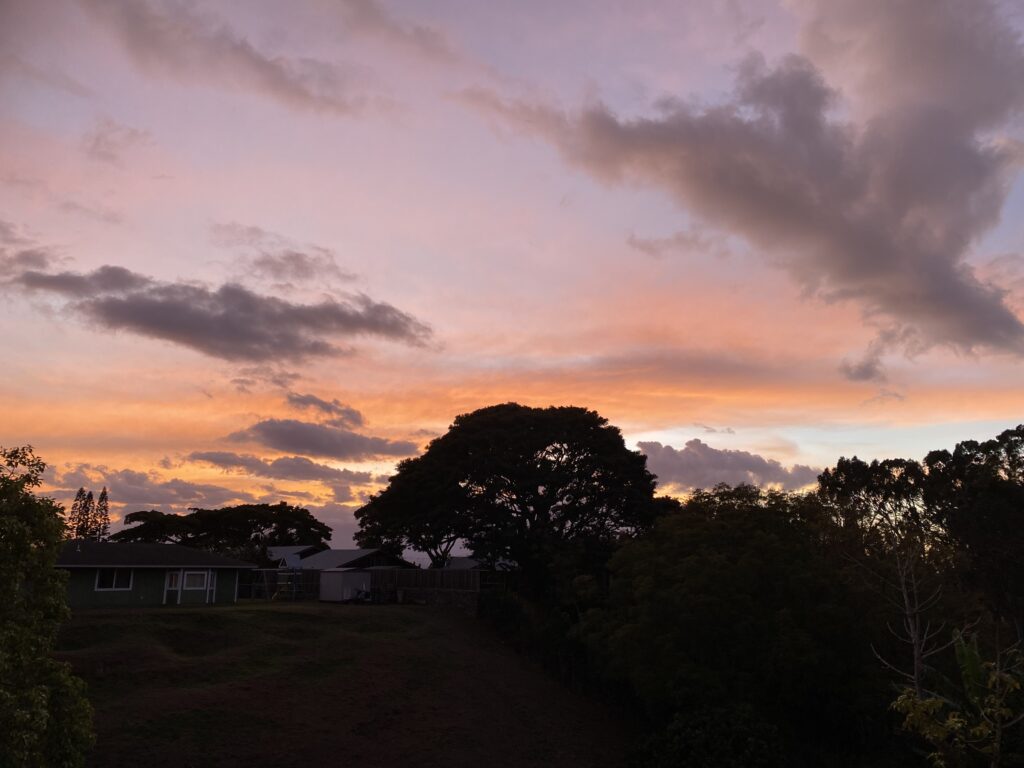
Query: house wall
[(147, 589)]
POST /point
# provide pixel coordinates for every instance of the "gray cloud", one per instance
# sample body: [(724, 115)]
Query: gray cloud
[(709, 430), (106, 279), (298, 265), (343, 415), (685, 242), (885, 395), (371, 19), (173, 40), (252, 375), (109, 140), (139, 490), (283, 468), (230, 322), (323, 440), (698, 465), (19, 253), (276, 257), (881, 209)]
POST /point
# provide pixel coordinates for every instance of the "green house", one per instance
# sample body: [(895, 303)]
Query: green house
[(107, 575)]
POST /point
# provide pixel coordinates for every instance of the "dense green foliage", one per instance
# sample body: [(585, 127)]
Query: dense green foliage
[(45, 719), (244, 531), (875, 621), (738, 607)]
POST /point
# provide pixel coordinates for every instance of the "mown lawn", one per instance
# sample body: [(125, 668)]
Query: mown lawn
[(315, 684)]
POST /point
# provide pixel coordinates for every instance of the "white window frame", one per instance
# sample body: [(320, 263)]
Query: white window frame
[(184, 581), (131, 580)]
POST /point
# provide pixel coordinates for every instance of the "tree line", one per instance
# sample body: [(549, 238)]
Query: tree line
[(874, 620), (243, 531)]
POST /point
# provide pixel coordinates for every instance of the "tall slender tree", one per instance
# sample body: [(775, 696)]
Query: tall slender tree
[(102, 528), (77, 523), (89, 517)]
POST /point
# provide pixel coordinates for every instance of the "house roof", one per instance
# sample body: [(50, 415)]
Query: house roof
[(300, 550), (79, 553), (290, 555), (345, 558)]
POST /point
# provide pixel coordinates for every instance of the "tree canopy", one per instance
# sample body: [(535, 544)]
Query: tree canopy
[(245, 530), (44, 716), (519, 486)]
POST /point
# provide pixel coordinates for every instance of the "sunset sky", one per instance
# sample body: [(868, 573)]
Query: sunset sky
[(257, 250)]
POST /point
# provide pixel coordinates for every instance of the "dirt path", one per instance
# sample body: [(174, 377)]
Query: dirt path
[(325, 685)]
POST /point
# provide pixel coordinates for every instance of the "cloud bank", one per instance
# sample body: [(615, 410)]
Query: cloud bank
[(275, 257), (175, 41), (877, 198), (323, 440), (230, 322), (342, 415), (134, 490), (698, 465)]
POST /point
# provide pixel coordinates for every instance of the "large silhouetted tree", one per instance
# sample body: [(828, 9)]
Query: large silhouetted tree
[(45, 719), (521, 486), (245, 530)]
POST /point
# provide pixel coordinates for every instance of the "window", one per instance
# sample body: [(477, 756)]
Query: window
[(195, 579), (113, 579), (173, 579)]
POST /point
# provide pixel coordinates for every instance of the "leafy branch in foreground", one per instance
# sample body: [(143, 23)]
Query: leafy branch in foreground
[(971, 728)]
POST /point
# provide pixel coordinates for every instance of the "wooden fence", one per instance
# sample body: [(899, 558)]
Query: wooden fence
[(432, 587)]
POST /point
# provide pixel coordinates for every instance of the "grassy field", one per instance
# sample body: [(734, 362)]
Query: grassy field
[(309, 685)]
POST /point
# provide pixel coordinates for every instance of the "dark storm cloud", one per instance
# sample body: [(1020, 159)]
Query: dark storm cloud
[(323, 440), (283, 468), (698, 465), (230, 322), (880, 209), (343, 415), (174, 40)]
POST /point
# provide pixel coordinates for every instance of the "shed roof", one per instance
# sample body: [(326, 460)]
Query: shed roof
[(80, 553), (349, 558), (334, 558), (291, 555), (284, 551)]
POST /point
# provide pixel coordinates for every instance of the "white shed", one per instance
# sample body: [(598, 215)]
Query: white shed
[(338, 585)]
